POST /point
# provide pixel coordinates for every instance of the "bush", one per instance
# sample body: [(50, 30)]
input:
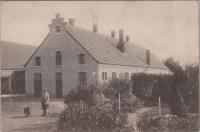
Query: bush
[(91, 118), (179, 90), (85, 95), (88, 109), (149, 87), (128, 101), (143, 85), (151, 121)]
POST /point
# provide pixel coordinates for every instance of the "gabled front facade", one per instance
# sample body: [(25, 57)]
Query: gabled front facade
[(69, 57)]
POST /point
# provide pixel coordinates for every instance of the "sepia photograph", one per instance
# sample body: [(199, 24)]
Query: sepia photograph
[(99, 66)]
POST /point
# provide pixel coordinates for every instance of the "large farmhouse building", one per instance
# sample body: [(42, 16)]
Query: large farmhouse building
[(70, 56)]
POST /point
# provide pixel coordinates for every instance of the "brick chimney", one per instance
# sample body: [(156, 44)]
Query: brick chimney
[(113, 34), (148, 56), (121, 44), (95, 28), (127, 38), (72, 22), (121, 36)]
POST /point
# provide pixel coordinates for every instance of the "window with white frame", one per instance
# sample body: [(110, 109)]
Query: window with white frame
[(104, 75), (83, 78), (114, 76)]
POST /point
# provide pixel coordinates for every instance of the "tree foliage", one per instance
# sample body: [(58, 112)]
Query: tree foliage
[(184, 85)]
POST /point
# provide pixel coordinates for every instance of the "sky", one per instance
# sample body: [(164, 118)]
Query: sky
[(167, 28)]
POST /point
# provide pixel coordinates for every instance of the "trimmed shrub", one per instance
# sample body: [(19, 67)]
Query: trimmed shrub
[(89, 110), (91, 118), (149, 87), (128, 101), (152, 121), (85, 95)]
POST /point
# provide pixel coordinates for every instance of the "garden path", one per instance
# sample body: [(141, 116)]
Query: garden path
[(133, 117)]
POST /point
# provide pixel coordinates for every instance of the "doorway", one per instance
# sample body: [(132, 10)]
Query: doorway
[(37, 84), (59, 90)]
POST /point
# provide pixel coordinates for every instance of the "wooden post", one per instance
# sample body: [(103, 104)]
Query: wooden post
[(119, 103), (81, 102), (159, 105)]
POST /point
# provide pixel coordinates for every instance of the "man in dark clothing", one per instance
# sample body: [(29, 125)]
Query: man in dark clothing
[(45, 101)]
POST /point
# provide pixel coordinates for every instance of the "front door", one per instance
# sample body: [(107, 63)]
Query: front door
[(59, 91), (37, 84)]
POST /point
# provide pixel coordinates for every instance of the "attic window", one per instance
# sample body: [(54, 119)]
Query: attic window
[(58, 29), (58, 58), (82, 59), (37, 61)]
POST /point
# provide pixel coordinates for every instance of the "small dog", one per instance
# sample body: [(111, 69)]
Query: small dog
[(27, 111)]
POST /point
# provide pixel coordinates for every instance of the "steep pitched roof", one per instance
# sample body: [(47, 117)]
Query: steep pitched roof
[(103, 49), (14, 56)]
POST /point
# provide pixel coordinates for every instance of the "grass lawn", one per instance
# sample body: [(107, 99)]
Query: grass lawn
[(13, 119)]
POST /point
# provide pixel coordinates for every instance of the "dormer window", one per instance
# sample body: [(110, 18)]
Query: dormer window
[(58, 29), (58, 58), (37, 61), (82, 59)]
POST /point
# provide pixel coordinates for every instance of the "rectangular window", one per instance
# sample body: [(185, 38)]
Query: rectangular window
[(58, 58), (82, 59), (126, 76), (58, 76), (37, 61), (114, 75), (104, 75), (120, 76), (83, 78)]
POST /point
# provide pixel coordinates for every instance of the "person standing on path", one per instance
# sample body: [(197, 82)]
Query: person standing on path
[(45, 101)]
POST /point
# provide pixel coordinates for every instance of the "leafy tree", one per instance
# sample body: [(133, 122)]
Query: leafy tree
[(178, 106)]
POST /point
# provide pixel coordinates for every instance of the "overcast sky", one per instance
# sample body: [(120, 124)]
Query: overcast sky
[(166, 28)]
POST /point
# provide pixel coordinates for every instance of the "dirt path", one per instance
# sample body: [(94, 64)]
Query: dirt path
[(133, 117), (14, 121)]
